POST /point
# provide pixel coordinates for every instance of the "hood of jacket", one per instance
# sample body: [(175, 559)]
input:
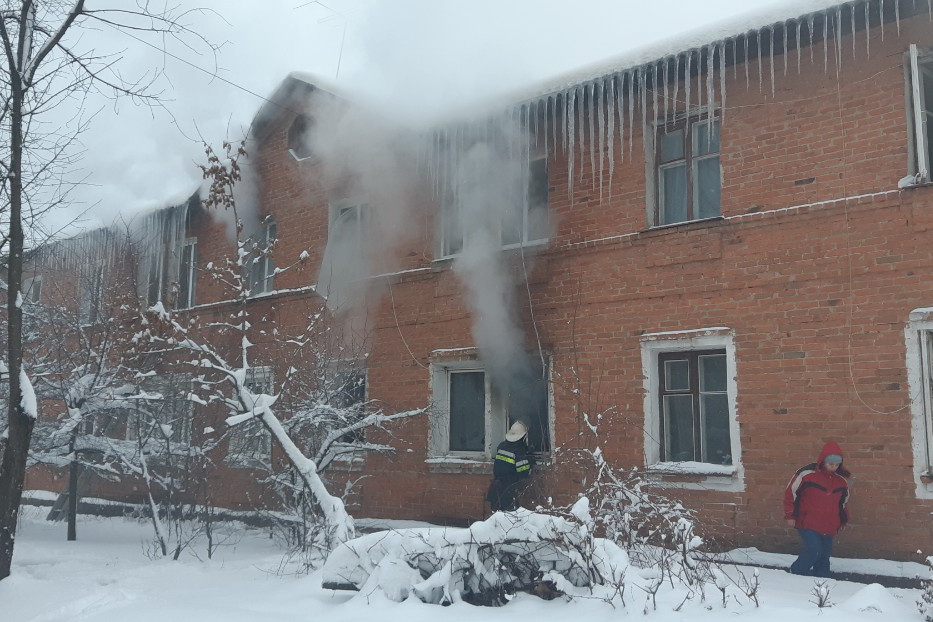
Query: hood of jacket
[(832, 447)]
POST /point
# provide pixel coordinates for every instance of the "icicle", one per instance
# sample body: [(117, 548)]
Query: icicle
[(545, 121), (867, 31), (930, 9), (710, 97), (810, 36), (747, 81), (735, 60), (881, 18), (590, 94), (654, 93), (722, 82), (784, 51), (581, 128), (611, 130), (631, 110), (837, 27), (852, 26), (760, 69), (534, 120), (825, 42), (665, 92), (687, 80), (897, 16), (553, 102), (700, 87), (570, 132), (620, 110), (677, 84), (799, 47), (603, 105), (643, 83), (771, 58)]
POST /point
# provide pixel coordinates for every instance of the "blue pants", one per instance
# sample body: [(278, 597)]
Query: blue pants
[(814, 559)]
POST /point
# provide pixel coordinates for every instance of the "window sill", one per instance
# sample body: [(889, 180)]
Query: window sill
[(696, 475), (452, 464), (685, 223)]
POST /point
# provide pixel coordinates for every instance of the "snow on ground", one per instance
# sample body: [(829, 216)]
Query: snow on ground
[(107, 576)]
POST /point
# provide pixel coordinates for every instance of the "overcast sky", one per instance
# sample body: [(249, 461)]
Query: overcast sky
[(419, 57)]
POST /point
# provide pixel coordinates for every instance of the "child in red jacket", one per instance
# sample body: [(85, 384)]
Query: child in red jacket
[(815, 503)]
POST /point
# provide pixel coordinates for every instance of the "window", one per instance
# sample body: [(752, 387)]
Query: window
[(350, 395), (32, 290), (694, 407), (688, 175), (350, 222), (919, 338), (921, 99), (690, 405), (258, 262), (523, 222), (250, 441), (474, 411), (298, 137), (187, 266), (90, 292), (151, 277), (157, 419)]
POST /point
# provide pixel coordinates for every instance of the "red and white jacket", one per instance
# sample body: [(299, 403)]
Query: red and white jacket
[(816, 498)]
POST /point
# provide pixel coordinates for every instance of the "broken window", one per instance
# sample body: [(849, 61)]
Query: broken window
[(476, 410), (32, 289), (298, 137), (258, 261), (688, 176), (522, 222), (187, 266), (90, 287)]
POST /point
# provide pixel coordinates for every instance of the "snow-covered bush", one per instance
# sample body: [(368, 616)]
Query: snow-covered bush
[(486, 563), (925, 604)]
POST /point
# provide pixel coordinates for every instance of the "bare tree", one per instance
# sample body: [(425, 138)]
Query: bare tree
[(47, 66)]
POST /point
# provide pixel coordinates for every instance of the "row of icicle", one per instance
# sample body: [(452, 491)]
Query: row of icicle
[(586, 120)]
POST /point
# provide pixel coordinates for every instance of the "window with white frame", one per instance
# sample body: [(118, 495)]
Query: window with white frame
[(90, 293), (259, 263), (919, 341), (473, 411), (523, 222), (167, 418), (250, 441), (151, 276), (348, 395), (187, 266), (920, 70), (32, 290), (298, 137), (349, 226), (690, 393), (688, 178)]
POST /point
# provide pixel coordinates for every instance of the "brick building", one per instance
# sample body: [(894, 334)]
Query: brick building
[(705, 259)]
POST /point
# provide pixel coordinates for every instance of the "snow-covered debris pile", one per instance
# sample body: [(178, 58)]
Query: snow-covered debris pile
[(484, 563)]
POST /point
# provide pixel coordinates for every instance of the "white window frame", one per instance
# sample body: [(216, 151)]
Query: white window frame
[(152, 265), (261, 255), (185, 297), (920, 68), (495, 413), (450, 208), (90, 296), (918, 336), (363, 215), (31, 289), (160, 414), (250, 443), (716, 477)]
